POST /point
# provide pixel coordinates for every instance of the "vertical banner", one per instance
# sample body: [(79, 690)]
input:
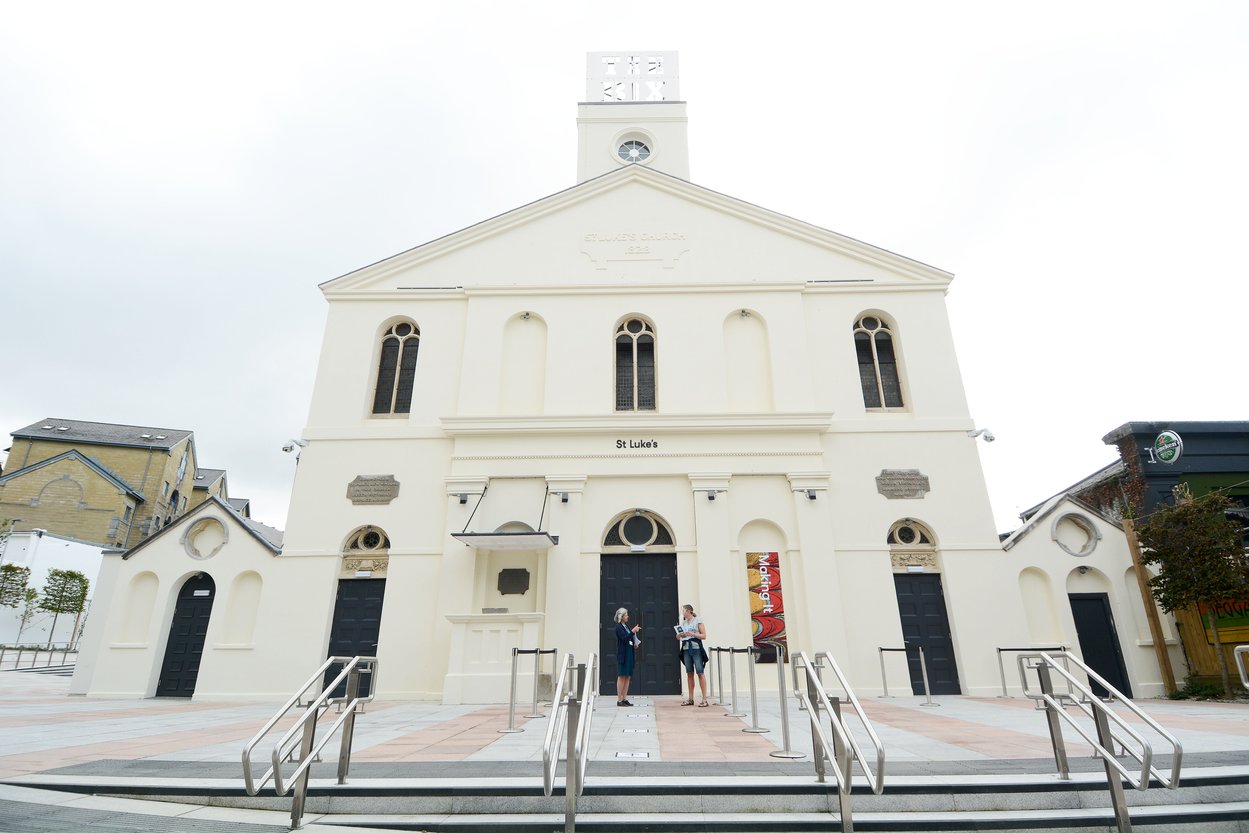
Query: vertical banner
[(767, 608)]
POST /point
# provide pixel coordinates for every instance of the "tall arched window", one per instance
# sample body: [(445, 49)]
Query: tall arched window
[(878, 363), (396, 369), (635, 366)]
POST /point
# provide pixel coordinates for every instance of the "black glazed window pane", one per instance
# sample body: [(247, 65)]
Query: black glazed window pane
[(386, 367)]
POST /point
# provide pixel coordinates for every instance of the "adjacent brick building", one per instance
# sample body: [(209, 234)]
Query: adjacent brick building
[(112, 485)]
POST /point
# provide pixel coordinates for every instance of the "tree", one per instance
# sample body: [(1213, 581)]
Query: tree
[(30, 603), (1200, 556), (64, 591), (13, 580)]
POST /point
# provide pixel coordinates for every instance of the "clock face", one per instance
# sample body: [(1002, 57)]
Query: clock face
[(633, 151)]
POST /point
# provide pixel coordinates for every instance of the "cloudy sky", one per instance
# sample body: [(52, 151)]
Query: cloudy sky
[(176, 179)]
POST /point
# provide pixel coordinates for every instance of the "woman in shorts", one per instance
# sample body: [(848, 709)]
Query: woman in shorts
[(691, 632)]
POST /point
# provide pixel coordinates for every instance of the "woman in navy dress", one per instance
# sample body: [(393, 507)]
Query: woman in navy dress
[(624, 656)]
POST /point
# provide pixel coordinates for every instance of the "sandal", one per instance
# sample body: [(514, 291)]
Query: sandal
[(704, 704), (687, 702)]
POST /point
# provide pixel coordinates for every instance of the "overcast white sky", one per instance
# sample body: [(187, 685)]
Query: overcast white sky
[(176, 179)]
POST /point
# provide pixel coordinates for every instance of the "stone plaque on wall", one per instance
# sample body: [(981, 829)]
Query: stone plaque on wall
[(373, 489), (902, 483), (513, 581)]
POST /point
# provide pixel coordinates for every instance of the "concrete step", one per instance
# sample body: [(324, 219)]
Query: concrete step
[(1230, 817), (669, 797)]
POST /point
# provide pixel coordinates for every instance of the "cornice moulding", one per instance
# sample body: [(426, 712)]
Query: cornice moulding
[(617, 425)]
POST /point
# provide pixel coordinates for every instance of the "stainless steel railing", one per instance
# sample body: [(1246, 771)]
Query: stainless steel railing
[(1110, 728), (302, 734), (1241, 655), (576, 712), (843, 749)]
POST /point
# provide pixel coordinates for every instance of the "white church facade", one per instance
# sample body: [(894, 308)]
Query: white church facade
[(635, 392)]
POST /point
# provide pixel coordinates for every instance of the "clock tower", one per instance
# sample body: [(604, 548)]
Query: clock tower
[(632, 115)]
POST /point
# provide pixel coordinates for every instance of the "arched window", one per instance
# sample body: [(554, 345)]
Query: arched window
[(396, 369), (878, 363), (635, 366)]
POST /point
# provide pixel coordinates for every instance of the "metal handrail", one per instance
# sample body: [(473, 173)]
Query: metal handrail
[(580, 749), (1241, 656), (1092, 706), (253, 787), (555, 728), (876, 777)]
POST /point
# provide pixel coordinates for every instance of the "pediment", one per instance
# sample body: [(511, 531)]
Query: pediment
[(77, 461), (213, 509), (637, 227)]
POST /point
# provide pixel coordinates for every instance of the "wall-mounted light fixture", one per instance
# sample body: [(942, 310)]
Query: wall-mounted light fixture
[(711, 493), (1082, 569), (524, 316), (563, 497), (983, 433), (745, 313), (463, 498), (810, 494)]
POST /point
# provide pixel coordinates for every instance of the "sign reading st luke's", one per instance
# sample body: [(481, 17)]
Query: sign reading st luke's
[(637, 443)]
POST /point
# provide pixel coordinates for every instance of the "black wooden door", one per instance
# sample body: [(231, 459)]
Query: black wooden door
[(1099, 643), (921, 604), (645, 585), (357, 625), (185, 646)]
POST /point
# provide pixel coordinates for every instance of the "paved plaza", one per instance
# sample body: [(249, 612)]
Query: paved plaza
[(50, 736)]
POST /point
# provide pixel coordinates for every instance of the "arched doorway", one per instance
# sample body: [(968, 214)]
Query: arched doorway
[(180, 668), (638, 571), (357, 623), (921, 607)]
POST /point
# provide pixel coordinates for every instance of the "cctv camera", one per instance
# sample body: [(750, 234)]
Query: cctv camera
[(988, 436), (288, 448)]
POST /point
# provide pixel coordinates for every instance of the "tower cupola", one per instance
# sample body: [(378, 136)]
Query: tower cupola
[(632, 115)]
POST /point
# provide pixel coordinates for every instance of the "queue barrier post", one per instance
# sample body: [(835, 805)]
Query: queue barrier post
[(733, 712), (537, 671), (923, 670), (753, 728), (785, 751), (511, 699), (719, 674)]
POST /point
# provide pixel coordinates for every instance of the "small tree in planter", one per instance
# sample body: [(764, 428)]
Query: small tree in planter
[(64, 591), (1200, 556)]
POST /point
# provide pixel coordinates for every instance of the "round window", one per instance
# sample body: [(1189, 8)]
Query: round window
[(638, 530), (633, 151)]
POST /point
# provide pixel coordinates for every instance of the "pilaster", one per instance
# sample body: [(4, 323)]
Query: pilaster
[(821, 624), (701, 573)]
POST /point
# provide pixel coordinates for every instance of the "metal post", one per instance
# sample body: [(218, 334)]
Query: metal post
[(818, 752), (923, 670), (733, 712), (884, 684), (571, 767), (1001, 672), (349, 724), (1117, 799), (537, 671), (1055, 727), (843, 763), (301, 786), (719, 676), (784, 751), (752, 652), (511, 700)]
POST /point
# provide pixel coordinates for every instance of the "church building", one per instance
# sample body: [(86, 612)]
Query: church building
[(636, 392)]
